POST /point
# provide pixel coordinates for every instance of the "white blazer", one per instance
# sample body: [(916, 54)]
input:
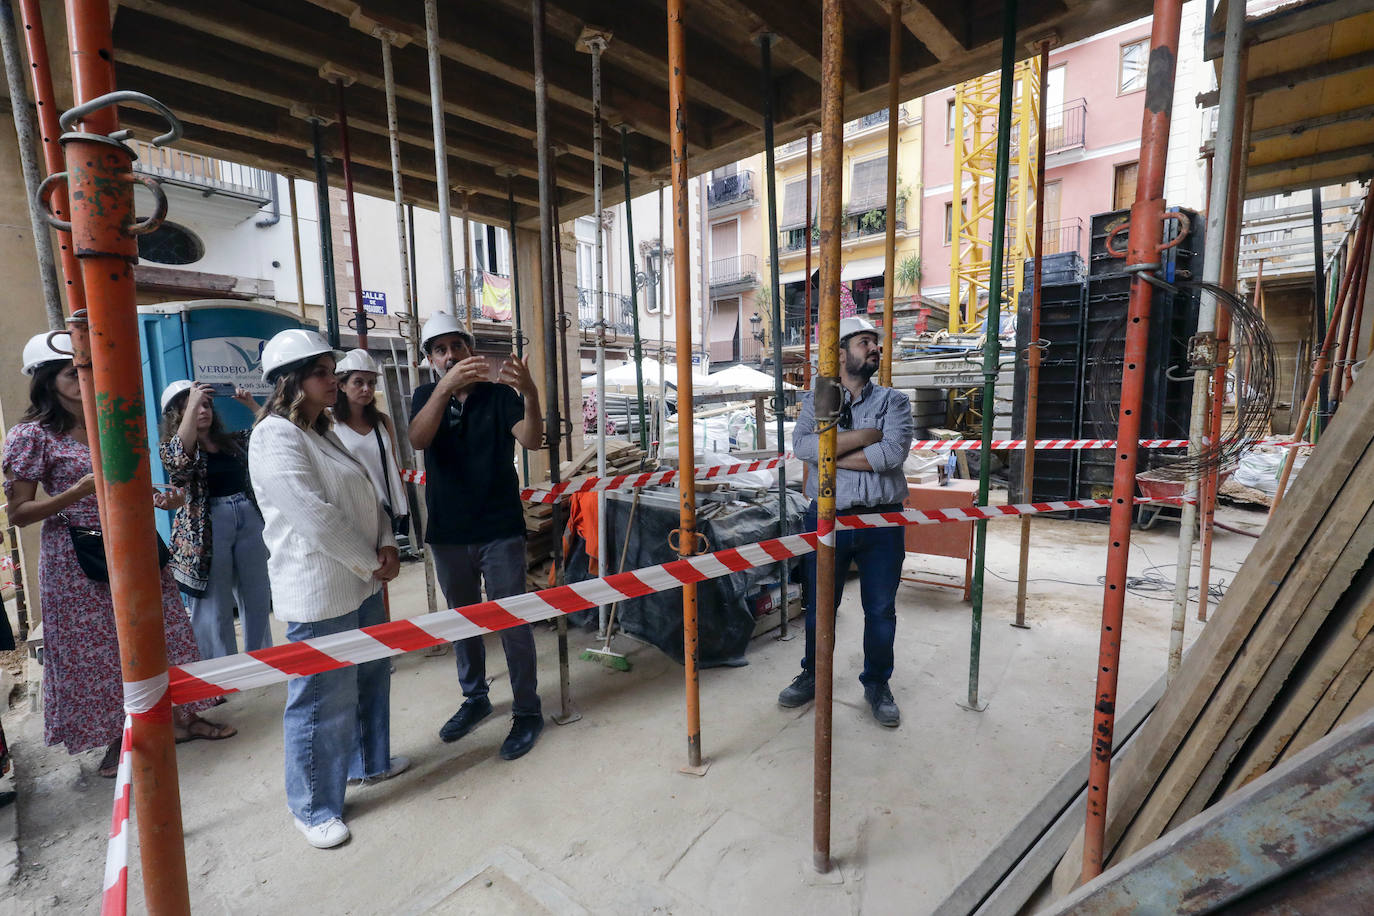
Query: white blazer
[(323, 523)]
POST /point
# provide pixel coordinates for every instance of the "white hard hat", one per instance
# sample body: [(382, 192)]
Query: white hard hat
[(439, 324), (172, 390), (855, 325), (48, 347), (294, 345), (356, 361)]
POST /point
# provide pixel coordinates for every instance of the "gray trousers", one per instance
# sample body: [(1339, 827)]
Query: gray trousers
[(461, 570)]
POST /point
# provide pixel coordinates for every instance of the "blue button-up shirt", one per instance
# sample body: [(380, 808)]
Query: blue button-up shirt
[(875, 408)]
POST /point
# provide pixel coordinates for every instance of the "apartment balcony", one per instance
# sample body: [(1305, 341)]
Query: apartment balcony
[(1066, 126), (734, 275), (732, 191), (618, 311), (469, 289), (252, 187), (869, 120)]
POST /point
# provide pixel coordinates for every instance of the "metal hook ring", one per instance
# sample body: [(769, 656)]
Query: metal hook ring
[(72, 115), (154, 222), (43, 193), (1107, 245)]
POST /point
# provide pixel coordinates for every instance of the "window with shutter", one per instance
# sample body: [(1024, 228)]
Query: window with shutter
[(794, 202), (868, 188)]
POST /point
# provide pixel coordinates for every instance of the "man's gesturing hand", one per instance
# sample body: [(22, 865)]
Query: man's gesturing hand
[(515, 372), (465, 373)]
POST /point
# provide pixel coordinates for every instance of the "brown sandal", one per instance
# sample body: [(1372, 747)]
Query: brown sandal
[(203, 729)]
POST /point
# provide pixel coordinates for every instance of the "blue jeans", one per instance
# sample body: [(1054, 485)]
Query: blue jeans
[(879, 553), (461, 569), (337, 724), (238, 577)]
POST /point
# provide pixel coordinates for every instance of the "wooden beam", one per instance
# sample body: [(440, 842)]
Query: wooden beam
[(638, 47), (797, 27), (1300, 127), (1298, 18), (479, 37), (231, 115), (296, 161), (1260, 189), (940, 31), (499, 117), (1323, 158), (1291, 79)]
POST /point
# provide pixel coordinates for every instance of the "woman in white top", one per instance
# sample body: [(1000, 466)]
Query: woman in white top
[(369, 434), (331, 548)]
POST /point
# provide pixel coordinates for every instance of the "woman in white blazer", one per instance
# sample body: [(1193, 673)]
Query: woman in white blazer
[(331, 548)]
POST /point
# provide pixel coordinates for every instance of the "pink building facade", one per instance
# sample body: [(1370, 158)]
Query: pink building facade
[(1095, 98)]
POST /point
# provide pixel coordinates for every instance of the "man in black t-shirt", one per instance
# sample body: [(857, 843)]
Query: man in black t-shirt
[(468, 427)]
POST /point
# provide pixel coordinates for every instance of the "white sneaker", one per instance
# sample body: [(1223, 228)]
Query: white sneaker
[(398, 766), (331, 833)]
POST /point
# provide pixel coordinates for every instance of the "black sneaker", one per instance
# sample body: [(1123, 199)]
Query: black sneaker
[(884, 707), (524, 731), (465, 719), (801, 690)]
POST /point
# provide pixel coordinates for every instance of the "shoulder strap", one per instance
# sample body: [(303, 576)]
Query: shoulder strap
[(386, 469)]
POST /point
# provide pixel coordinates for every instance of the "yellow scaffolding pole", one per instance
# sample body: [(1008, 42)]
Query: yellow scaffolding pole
[(975, 152)]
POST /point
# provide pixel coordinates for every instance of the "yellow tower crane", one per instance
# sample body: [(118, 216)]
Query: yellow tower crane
[(975, 156)]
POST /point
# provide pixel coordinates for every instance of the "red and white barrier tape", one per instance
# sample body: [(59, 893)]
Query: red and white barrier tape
[(114, 897), (590, 483), (950, 445), (214, 677), (6, 563)]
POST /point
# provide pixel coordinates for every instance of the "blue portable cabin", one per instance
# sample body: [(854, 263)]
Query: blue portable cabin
[(208, 340)]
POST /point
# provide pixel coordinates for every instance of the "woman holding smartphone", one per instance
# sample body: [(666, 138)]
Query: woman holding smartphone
[(218, 555), (330, 549)]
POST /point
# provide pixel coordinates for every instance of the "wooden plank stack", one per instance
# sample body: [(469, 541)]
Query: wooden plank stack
[(1286, 657), (621, 458)]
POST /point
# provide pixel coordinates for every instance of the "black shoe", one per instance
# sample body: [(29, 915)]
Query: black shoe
[(524, 731), (884, 707), (801, 690), (7, 798), (465, 719)]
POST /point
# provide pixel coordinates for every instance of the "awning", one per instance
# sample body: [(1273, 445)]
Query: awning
[(791, 276), (863, 267)]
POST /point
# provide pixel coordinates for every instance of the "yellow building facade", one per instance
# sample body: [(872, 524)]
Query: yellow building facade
[(863, 247)]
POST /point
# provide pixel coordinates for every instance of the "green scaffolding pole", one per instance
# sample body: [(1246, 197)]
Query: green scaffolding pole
[(990, 343)]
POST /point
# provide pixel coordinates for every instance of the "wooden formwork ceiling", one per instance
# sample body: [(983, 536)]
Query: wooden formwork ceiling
[(1311, 77), (245, 74)]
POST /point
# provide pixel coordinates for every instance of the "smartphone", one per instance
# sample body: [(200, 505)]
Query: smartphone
[(220, 389)]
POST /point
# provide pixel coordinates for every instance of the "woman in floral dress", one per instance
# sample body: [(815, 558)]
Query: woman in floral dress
[(83, 691)]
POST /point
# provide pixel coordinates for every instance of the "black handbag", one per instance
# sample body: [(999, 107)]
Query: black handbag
[(89, 546), (400, 524)]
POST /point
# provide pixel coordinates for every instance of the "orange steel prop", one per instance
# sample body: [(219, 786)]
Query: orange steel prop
[(359, 313), (894, 75), (1033, 352), (1350, 327), (1147, 218), (1348, 375), (45, 98), (1323, 358), (827, 402), (682, 292), (101, 189), (1211, 480)]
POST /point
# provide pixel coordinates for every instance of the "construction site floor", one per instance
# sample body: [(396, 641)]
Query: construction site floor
[(598, 819)]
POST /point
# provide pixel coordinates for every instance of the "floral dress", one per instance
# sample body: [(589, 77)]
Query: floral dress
[(83, 687)]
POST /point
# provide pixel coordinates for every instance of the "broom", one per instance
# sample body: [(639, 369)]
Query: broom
[(606, 655)]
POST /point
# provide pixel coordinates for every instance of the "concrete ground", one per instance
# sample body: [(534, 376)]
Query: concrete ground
[(597, 817)]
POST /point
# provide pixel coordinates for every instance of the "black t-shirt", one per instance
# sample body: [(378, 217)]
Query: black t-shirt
[(225, 474), (471, 489)]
